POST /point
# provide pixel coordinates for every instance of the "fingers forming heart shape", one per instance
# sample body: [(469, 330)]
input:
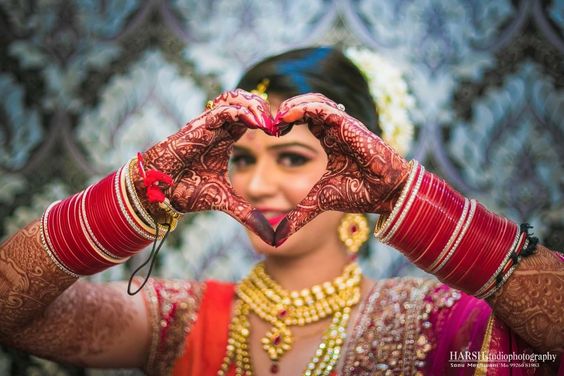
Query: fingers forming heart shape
[(363, 173)]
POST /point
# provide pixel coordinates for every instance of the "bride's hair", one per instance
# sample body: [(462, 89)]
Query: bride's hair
[(324, 70)]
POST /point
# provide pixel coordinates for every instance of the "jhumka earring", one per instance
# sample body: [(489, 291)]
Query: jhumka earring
[(353, 231), (261, 89)]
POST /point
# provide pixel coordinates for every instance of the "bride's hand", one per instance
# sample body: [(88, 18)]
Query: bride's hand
[(196, 158), (364, 174)]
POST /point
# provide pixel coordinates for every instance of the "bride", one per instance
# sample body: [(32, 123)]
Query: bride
[(295, 156)]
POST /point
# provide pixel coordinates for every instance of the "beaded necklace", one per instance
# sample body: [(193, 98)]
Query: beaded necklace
[(282, 309)]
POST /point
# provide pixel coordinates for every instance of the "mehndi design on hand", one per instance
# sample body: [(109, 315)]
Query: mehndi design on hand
[(364, 174), (196, 157)]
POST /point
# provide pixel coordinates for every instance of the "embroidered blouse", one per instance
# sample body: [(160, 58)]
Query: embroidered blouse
[(406, 326)]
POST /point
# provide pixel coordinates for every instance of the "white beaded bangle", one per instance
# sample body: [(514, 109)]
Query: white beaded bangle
[(473, 205), (405, 210), (135, 198), (453, 237), (147, 232), (384, 222), (48, 246), (86, 226), (483, 292)]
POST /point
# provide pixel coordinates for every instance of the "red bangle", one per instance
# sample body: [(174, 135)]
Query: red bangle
[(469, 247), (460, 261), (442, 234), (401, 238), (64, 246), (386, 225), (432, 222), (92, 230), (48, 245), (118, 238), (503, 263), (506, 268), (457, 239), (427, 192)]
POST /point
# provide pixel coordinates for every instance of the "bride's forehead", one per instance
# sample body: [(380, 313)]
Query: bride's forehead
[(256, 138)]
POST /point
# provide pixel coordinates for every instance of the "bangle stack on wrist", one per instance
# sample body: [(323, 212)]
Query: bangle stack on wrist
[(457, 239), (98, 227), (173, 219)]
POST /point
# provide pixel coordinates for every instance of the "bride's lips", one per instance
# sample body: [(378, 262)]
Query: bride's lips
[(273, 216), (274, 221)]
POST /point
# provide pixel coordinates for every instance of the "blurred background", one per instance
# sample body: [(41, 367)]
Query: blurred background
[(87, 84)]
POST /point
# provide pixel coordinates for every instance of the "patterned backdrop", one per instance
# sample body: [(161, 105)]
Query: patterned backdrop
[(86, 84)]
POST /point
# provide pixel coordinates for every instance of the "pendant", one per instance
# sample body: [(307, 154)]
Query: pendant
[(274, 367)]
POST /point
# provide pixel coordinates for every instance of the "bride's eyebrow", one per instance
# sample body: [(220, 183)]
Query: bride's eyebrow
[(292, 144), (241, 149)]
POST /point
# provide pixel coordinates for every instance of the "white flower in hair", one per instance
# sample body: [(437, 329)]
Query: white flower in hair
[(392, 99)]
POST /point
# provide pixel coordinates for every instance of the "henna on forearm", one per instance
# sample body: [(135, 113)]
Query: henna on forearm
[(531, 302), (44, 312), (29, 280), (88, 325)]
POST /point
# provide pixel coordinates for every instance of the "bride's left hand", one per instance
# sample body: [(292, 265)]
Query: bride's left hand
[(364, 174)]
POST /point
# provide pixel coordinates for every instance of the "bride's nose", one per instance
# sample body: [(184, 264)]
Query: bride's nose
[(263, 180)]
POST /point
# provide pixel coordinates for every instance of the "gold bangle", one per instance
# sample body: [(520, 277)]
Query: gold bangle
[(133, 193), (134, 221), (170, 210), (135, 218)]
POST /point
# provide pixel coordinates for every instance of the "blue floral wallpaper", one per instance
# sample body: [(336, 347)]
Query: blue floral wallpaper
[(87, 84)]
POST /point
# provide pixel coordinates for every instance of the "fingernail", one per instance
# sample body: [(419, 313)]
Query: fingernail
[(282, 232), (267, 121), (279, 117), (260, 225)]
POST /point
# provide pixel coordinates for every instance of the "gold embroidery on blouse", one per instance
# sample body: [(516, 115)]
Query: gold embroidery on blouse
[(481, 367), (391, 336), (173, 307)]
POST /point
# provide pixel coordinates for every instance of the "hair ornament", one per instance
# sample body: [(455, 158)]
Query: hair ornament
[(392, 99), (261, 89)]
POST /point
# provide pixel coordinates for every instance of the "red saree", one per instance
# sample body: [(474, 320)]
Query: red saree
[(205, 346)]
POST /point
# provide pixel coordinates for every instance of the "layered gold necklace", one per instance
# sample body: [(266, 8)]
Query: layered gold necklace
[(282, 309)]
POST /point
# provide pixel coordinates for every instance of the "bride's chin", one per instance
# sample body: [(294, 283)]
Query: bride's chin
[(265, 249), (262, 248)]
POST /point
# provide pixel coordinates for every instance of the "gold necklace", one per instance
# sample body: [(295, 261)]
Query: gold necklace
[(281, 308)]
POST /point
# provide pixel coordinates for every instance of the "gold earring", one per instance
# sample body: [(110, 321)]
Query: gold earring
[(353, 231)]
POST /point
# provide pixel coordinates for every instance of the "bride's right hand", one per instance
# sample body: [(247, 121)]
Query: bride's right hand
[(196, 157)]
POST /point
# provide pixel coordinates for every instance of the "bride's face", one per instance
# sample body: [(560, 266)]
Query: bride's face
[(274, 174)]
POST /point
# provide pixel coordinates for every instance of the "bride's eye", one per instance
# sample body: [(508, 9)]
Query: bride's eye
[(292, 159), (240, 161)]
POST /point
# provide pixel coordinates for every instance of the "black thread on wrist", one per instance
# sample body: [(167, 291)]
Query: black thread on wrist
[(529, 249), (532, 243), (152, 258)]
